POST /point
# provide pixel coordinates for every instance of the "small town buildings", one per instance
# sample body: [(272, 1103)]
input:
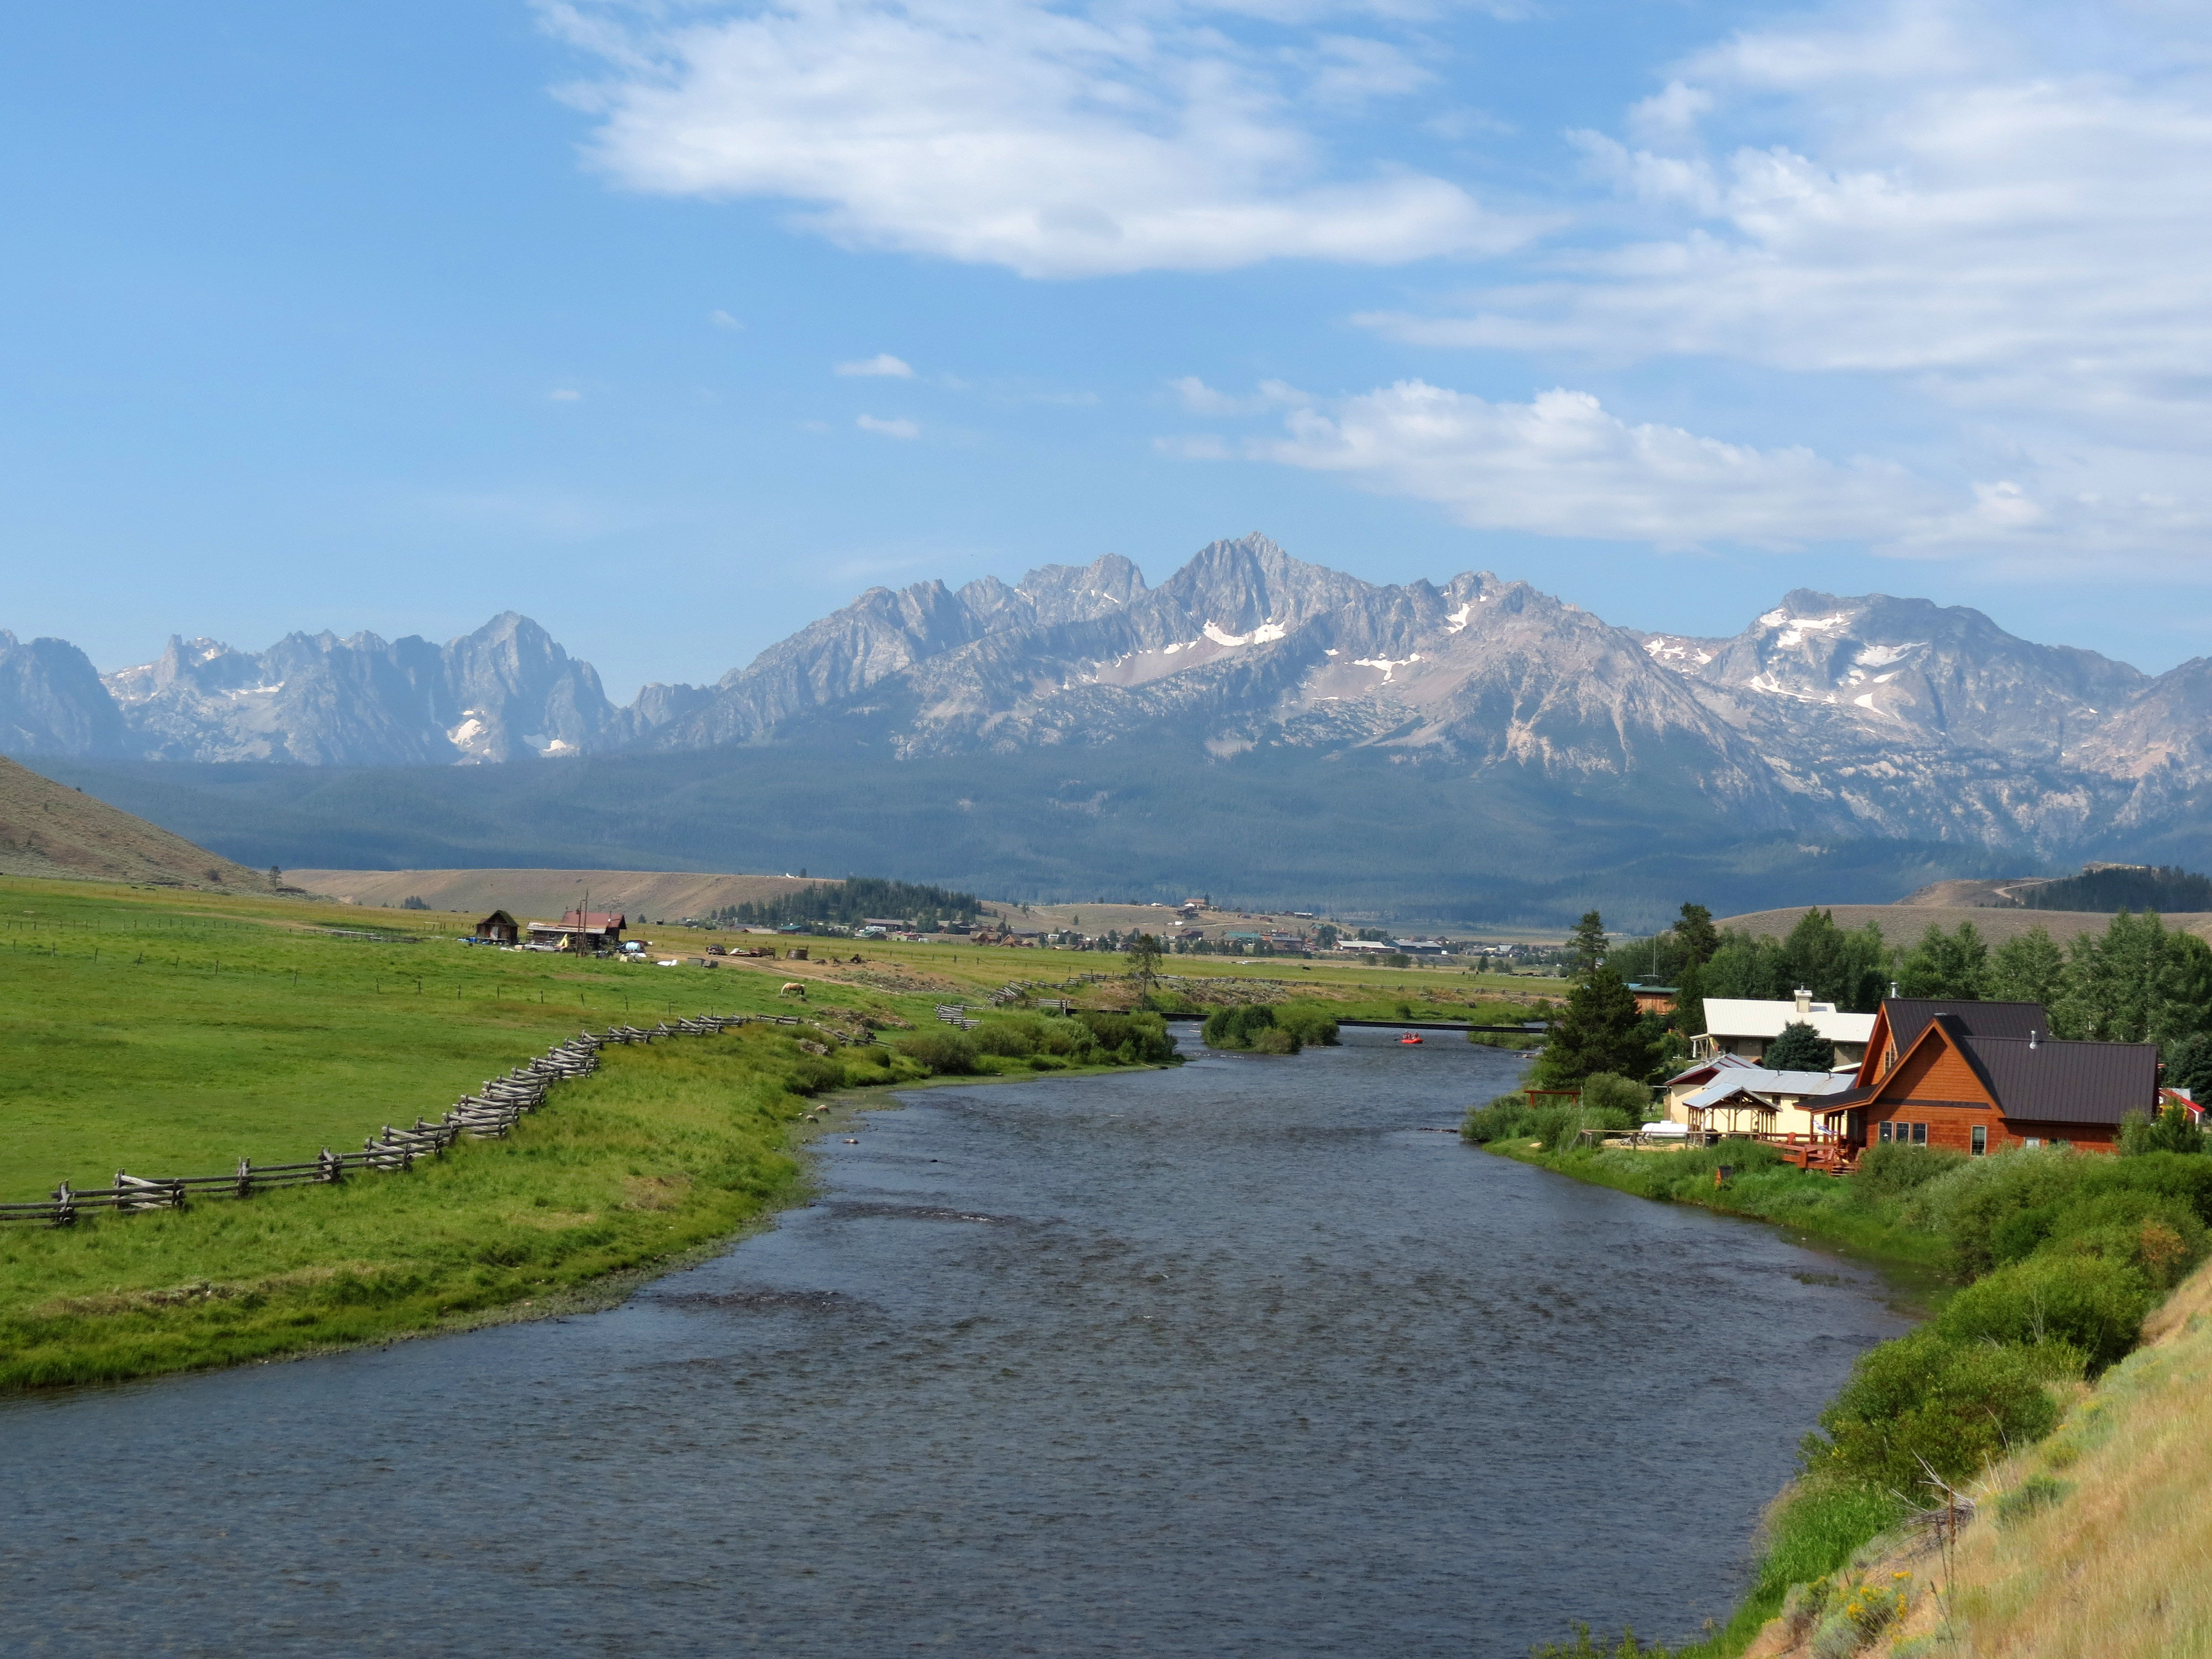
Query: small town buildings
[(499, 928), (1653, 999), (1744, 1027), (580, 930), (1986, 1077)]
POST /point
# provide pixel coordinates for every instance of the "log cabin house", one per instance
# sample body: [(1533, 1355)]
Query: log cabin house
[(1987, 1077)]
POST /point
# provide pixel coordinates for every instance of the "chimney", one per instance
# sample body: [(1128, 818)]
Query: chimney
[(1893, 988), (2032, 1037), (1804, 999)]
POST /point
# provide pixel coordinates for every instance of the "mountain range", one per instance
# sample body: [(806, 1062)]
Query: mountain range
[(1825, 721)]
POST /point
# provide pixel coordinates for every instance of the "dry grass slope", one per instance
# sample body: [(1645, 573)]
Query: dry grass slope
[(544, 894), (51, 831), (2096, 1544), (2117, 1564)]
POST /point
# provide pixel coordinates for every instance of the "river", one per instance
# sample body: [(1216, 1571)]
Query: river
[(1235, 1361)]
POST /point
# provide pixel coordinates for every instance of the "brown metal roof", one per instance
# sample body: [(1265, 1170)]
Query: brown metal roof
[(1909, 1017), (2046, 1081)]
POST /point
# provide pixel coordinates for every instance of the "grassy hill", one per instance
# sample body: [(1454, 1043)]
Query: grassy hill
[(51, 830)]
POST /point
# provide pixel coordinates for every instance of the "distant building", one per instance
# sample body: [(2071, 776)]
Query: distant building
[(499, 928), (1653, 999), (1741, 1027), (580, 930)]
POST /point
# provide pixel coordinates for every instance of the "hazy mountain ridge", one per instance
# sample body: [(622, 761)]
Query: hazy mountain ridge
[(1827, 718)]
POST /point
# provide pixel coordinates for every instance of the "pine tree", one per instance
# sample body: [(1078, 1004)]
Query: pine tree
[(1695, 932), (1799, 1049), (1586, 945), (1598, 1030)]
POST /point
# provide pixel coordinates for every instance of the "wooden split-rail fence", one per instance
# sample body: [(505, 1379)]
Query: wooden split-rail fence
[(490, 1113)]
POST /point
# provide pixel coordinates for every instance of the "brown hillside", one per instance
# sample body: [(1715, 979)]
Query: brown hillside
[(1901, 924), (543, 895), (50, 830)]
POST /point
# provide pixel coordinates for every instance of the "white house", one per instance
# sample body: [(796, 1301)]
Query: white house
[(1751, 1098), (1743, 1027)]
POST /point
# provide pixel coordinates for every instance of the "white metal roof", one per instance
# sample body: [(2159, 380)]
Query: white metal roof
[(1758, 1081), (1741, 1017)]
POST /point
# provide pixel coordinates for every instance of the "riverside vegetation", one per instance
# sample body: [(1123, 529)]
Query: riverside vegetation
[(171, 1033), (2059, 1258)]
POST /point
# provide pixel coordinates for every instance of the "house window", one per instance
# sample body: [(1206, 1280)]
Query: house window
[(2030, 1143), (1981, 1139), (1920, 1135)]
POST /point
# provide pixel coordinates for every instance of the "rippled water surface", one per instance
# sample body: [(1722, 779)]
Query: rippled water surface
[(1231, 1360)]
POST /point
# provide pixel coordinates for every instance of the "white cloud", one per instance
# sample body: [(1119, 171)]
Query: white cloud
[(723, 319), (564, 394), (889, 429), (1561, 464), (1057, 141), (2001, 213), (1200, 398), (882, 364)]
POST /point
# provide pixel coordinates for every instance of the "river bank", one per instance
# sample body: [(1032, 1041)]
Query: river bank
[(2058, 1266), (664, 1156), (1239, 1359)]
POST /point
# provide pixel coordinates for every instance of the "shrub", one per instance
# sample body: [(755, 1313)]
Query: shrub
[(811, 1074), (1014, 1038), (948, 1053), (1582, 1648), (1891, 1171), (2170, 1131), (1958, 1406), (1604, 1093), (1308, 1025), (1132, 1039), (1275, 1040), (1505, 1118), (2092, 1303), (1238, 1027)]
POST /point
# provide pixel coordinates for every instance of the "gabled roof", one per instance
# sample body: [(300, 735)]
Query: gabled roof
[(2046, 1081), (1909, 1017), (1757, 1080), (1745, 1016), (1703, 1070)]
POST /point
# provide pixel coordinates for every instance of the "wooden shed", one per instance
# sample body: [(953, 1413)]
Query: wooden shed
[(499, 928)]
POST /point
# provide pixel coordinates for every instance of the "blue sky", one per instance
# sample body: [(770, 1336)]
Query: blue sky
[(677, 324)]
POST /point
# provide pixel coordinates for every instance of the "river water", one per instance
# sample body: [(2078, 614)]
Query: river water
[(1234, 1360)]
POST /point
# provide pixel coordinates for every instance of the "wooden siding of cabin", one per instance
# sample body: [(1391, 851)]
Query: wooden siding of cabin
[(1930, 1088)]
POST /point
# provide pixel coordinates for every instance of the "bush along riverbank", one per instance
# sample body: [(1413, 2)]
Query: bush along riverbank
[(2058, 1258), (1268, 1031)]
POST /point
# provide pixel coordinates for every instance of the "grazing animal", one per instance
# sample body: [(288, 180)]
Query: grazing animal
[(792, 988)]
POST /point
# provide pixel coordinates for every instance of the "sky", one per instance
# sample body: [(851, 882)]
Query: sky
[(676, 325)]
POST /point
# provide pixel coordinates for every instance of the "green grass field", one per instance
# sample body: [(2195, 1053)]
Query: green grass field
[(166, 1033)]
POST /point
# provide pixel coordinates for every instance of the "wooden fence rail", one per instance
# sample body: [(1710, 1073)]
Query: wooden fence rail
[(489, 1114)]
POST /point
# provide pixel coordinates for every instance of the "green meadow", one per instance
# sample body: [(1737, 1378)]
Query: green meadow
[(170, 1034)]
